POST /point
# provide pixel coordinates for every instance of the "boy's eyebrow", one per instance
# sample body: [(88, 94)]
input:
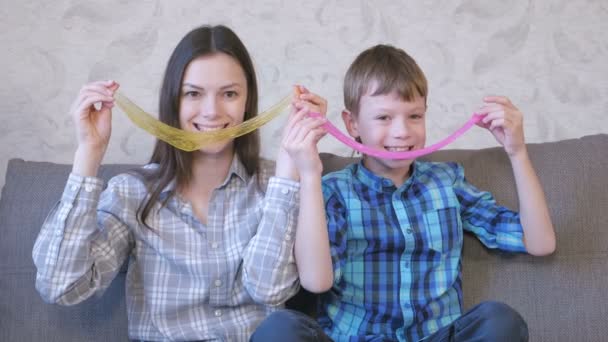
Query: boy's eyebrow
[(415, 109)]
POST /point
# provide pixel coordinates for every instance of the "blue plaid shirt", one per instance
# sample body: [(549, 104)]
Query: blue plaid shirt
[(397, 251)]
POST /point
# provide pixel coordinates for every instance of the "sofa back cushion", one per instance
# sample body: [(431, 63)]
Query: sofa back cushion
[(30, 191)]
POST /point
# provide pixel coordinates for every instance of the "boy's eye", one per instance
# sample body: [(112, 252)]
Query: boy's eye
[(416, 116), (383, 117)]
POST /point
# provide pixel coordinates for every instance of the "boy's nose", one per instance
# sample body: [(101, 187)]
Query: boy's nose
[(400, 129)]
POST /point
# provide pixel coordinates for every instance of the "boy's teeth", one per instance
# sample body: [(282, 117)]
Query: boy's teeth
[(397, 149)]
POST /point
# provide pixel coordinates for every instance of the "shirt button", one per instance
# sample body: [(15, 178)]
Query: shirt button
[(88, 188), (214, 245), (284, 191), (217, 283), (74, 187), (407, 264), (218, 313), (287, 237), (409, 231)]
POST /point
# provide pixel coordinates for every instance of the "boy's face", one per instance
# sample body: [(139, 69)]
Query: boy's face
[(387, 122)]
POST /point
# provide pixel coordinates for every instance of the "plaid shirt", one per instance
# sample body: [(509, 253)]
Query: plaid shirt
[(397, 251), (186, 280)]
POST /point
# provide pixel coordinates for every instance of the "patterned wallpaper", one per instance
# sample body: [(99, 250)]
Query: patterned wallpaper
[(549, 57)]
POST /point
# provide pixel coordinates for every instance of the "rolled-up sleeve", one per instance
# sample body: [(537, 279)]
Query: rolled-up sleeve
[(497, 227)]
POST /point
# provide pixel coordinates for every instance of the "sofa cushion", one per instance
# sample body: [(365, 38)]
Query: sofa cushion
[(30, 191)]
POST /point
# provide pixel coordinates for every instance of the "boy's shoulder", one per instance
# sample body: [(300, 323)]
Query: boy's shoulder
[(424, 170), (340, 176), (448, 169)]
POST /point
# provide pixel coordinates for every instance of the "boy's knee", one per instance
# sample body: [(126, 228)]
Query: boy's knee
[(287, 325), (503, 323)]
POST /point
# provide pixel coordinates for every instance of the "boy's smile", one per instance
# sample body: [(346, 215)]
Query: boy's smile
[(390, 123)]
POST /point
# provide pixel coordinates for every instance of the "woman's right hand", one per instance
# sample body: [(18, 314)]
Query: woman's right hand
[(94, 126)]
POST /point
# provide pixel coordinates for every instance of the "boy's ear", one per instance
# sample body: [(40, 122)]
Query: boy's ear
[(350, 121)]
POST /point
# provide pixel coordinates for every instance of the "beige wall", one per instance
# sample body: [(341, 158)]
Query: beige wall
[(550, 57)]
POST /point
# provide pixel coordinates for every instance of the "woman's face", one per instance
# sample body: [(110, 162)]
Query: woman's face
[(213, 96)]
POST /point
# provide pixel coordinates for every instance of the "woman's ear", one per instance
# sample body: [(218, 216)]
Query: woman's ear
[(350, 121)]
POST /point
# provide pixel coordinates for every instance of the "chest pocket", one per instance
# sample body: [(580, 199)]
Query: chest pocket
[(443, 226)]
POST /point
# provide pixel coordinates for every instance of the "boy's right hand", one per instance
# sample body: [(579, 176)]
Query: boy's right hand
[(94, 126)]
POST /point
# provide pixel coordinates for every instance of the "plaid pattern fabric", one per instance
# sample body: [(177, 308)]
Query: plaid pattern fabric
[(186, 280), (397, 251)]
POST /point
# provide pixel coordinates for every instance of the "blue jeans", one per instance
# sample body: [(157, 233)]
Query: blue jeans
[(488, 321), (289, 326)]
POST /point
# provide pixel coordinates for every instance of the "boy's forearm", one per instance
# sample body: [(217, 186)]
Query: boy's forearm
[(312, 253), (539, 235)]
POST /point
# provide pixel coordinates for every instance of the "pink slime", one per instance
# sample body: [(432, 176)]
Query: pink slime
[(331, 129)]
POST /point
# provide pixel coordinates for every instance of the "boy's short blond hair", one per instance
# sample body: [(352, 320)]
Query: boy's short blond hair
[(388, 69)]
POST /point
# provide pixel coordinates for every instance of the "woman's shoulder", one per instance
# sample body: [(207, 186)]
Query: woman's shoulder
[(133, 180)]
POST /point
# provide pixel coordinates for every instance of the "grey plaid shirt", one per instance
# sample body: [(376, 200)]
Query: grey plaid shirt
[(186, 280)]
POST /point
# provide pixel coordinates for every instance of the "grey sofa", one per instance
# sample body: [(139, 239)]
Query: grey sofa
[(563, 297)]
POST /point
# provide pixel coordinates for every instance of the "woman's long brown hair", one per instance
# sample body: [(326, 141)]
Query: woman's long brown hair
[(175, 164)]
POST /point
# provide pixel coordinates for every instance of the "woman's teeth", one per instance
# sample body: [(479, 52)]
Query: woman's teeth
[(202, 128)]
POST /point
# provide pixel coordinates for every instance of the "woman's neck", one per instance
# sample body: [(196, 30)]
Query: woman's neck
[(209, 171)]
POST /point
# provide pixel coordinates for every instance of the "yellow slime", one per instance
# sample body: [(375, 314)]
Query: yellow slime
[(192, 141)]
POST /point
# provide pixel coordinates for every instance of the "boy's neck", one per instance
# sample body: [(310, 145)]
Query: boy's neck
[(398, 175)]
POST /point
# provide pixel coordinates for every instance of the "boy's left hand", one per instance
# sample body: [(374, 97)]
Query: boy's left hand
[(505, 122), (312, 102)]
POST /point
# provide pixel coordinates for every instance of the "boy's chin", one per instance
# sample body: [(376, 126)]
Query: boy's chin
[(393, 164)]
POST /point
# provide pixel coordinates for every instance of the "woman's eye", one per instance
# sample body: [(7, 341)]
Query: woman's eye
[(231, 94), (383, 117), (191, 93)]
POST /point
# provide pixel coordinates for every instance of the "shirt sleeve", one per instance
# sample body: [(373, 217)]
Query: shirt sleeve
[(82, 244), (497, 227), (337, 226), (270, 273)]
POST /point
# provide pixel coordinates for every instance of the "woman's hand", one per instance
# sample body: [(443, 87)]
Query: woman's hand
[(94, 124)]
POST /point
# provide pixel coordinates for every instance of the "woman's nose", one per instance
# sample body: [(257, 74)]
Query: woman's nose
[(209, 107)]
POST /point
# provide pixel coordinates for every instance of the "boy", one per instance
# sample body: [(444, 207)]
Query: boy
[(396, 226)]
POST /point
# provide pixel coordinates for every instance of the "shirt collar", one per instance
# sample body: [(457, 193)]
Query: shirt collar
[(382, 184), (236, 168)]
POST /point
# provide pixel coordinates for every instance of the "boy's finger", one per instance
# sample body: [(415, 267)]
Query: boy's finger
[(497, 99)]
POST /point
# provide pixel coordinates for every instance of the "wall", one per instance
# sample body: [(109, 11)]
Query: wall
[(549, 58)]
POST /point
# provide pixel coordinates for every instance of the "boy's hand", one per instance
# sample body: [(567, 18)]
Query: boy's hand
[(505, 122), (298, 154), (302, 134), (303, 98)]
